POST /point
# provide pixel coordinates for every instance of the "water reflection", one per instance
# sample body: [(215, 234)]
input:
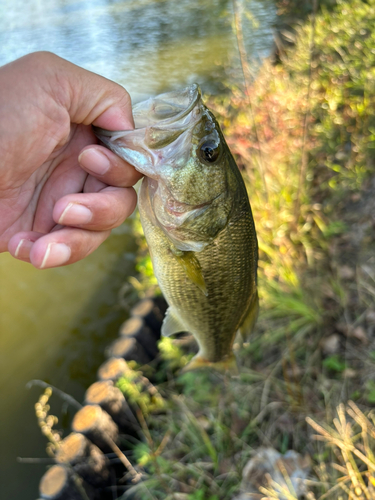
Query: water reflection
[(148, 46), (54, 324)]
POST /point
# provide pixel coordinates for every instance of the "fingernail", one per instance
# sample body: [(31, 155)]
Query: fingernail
[(94, 161), (56, 255), (75, 213), (23, 249)]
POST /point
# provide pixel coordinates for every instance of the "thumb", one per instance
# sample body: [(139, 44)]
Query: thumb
[(90, 98)]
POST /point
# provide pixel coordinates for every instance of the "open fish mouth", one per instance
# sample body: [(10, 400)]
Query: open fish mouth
[(162, 134), (163, 110), (167, 108)]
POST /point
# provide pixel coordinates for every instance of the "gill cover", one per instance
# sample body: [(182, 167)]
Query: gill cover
[(177, 145)]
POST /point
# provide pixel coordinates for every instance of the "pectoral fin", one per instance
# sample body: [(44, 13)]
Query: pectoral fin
[(190, 264), (251, 317), (171, 323)]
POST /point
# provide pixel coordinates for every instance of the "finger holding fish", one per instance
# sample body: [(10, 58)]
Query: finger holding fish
[(108, 167)]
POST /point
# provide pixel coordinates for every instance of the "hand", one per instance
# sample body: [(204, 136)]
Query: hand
[(60, 192)]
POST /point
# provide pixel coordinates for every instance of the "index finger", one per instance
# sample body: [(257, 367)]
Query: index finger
[(108, 167)]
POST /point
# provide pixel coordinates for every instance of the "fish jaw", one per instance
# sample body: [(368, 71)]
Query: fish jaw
[(152, 200), (162, 135), (191, 198)]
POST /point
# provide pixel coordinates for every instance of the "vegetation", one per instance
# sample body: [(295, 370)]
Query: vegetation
[(303, 134)]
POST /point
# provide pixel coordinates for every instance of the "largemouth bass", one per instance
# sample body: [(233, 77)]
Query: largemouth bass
[(197, 220)]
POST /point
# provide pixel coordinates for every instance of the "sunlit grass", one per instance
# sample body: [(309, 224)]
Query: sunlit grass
[(352, 439)]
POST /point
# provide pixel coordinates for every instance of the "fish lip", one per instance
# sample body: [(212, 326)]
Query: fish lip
[(195, 96), (193, 207)]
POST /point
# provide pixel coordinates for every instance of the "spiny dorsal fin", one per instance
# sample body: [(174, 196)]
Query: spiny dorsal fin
[(192, 268), (171, 323)]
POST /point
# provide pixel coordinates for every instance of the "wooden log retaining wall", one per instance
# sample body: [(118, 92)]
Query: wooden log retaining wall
[(83, 469)]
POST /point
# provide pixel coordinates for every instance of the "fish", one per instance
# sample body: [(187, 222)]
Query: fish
[(197, 221)]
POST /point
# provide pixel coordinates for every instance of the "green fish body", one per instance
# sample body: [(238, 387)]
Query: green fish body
[(197, 220)]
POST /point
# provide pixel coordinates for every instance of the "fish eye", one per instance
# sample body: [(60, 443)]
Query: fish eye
[(209, 151)]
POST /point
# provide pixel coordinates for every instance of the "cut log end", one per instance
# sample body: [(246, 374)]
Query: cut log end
[(143, 308), (58, 483), (137, 327), (99, 392), (87, 460), (113, 369), (86, 418), (131, 327), (112, 400), (72, 448), (152, 311), (97, 426), (54, 481), (129, 349)]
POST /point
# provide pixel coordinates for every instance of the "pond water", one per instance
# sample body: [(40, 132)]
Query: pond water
[(55, 324)]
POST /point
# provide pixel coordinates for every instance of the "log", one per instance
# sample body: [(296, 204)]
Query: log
[(86, 458), (129, 349), (152, 314), (136, 327), (112, 400), (113, 369), (161, 303), (95, 423), (59, 484)]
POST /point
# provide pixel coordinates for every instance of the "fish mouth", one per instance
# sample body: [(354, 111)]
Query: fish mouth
[(163, 111), (166, 109), (163, 127)]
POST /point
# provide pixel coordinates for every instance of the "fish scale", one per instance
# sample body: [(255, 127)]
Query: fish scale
[(230, 274)]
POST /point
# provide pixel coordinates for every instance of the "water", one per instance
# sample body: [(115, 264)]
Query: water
[(55, 323)]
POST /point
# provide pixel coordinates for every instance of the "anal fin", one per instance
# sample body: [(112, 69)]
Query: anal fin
[(171, 323)]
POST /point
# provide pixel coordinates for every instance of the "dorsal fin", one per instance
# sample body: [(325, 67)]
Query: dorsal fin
[(171, 323)]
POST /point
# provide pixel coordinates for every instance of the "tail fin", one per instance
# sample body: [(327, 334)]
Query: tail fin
[(226, 365)]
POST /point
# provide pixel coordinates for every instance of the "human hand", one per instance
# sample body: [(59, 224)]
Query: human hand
[(61, 193)]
